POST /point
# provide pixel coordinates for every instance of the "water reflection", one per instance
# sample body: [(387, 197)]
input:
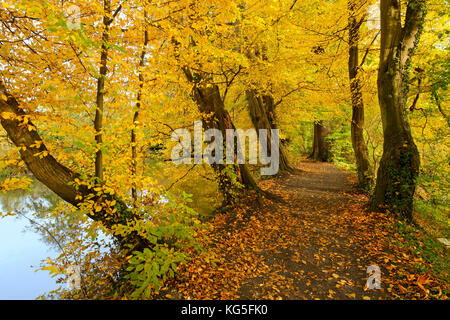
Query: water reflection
[(33, 235), (22, 246)]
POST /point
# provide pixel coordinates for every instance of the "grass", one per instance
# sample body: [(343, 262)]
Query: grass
[(5, 173), (422, 244), (434, 218)]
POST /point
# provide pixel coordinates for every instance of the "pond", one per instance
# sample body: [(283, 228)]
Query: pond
[(22, 247)]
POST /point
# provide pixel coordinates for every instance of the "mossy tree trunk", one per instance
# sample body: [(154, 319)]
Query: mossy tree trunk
[(399, 166), (364, 169)]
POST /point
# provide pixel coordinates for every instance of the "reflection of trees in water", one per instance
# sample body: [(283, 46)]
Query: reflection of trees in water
[(37, 206), (206, 197), (51, 218)]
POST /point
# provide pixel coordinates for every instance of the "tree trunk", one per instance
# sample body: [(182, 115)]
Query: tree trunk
[(58, 178), (399, 166), (363, 166), (98, 122), (134, 154), (262, 114), (321, 147), (209, 101)]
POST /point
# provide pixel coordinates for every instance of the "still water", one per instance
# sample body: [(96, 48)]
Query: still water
[(22, 248)]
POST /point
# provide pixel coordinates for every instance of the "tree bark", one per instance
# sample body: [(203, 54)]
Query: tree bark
[(209, 101), (262, 114), (57, 177), (400, 163), (134, 154), (98, 122), (321, 147), (363, 166)]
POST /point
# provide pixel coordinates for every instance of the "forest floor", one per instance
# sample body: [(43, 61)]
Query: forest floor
[(315, 244)]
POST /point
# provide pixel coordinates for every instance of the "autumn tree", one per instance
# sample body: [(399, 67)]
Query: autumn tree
[(363, 165), (262, 110), (209, 100), (59, 178), (399, 167), (321, 146)]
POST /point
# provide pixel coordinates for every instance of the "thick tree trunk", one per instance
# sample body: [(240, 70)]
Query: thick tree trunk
[(399, 166), (209, 101), (262, 114), (363, 166), (321, 146)]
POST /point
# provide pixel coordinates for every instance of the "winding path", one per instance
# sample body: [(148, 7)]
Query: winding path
[(326, 257)]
